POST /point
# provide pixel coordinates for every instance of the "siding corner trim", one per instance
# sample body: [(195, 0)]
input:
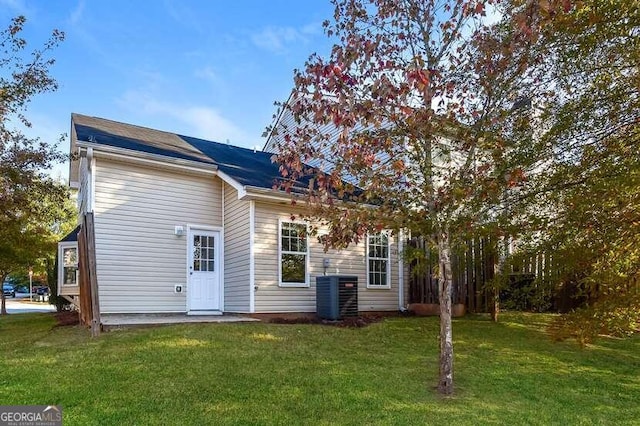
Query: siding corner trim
[(252, 257)]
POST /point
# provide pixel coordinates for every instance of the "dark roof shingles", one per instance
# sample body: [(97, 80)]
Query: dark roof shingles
[(91, 134), (71, 236), (248, 167)]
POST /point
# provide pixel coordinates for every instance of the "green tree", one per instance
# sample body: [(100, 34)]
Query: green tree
[(29, 199), (67, 218), (571, 141), (398, 124), (425, 118), (591, 195)]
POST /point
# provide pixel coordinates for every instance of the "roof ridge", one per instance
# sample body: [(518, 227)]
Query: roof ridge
[(255, 151), (247, 166), (158, 139), (75, 114)]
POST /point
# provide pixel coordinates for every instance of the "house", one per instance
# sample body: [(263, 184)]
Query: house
[(186, 225), (472, 265)]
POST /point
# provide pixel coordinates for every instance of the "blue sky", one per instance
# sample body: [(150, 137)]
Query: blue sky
[(210, 69)]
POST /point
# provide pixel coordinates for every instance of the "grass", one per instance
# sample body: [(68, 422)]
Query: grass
[(506, 373)]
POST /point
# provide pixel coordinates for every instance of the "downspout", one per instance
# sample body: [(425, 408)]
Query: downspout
[(223, 212), (223, 285), (401, 305), (91, 165), (252, 262)]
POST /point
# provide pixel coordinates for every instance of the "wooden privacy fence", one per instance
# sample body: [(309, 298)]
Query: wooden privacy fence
[(88, 281), (473, 266)]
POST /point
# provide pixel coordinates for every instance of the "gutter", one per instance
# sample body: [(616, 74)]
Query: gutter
[(269, 194), (266, 194), (401, 305), (145, 157)]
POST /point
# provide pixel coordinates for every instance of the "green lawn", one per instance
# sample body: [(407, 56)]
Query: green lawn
[(507, 373)]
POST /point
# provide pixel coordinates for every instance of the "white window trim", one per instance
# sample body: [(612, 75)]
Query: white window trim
[(388, 285), (305, 284), (61, 247)]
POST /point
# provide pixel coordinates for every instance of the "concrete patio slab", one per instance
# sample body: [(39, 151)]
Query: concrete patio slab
[(115, 321)]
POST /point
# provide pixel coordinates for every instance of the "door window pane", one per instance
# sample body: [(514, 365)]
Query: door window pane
[(203, 253)]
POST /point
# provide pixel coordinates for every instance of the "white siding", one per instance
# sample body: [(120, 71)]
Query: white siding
[(138, 257), (270, 297), (236, 252), (286, 124)]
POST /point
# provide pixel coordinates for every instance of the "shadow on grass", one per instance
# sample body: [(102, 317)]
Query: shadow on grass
[(521, 363), (385, 373)]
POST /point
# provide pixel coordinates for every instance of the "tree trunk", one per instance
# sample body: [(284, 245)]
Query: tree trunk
[(445, 284), (495, 306), (501, 275), (3, 307)]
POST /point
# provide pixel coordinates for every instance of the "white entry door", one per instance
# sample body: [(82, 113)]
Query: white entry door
[(203, 291)]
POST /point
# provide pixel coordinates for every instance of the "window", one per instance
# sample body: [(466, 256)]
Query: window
[(294, 255), (378, 261), (69, 265), (204, 253)]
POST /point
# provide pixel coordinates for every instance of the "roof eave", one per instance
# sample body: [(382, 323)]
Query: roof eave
[(266, 194), (157, 159), (274, 195)]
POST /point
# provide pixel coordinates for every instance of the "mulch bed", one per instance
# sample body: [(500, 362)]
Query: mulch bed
[(354, 322), (67, 318)]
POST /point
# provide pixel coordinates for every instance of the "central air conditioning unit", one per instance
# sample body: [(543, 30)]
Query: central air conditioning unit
[(336, 297)]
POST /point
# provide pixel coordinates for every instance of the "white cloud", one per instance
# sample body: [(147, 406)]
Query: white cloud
[(183, 15), (313, 28), (210, 123), (191, 120), (16, 6), (277, 39), (76, 13), (207, 74), (214, 81)]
